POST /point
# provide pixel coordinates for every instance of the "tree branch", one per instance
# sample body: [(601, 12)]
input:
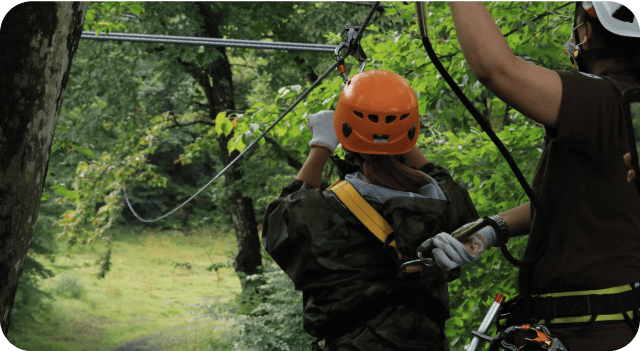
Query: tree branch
[(537, 18), (290, 160), (506, 121), (178, 125)]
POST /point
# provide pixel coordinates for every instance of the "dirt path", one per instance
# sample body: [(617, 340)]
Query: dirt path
[(137, 345), (169, 338)]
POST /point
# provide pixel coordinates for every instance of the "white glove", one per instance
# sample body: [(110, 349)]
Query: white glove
[(450, 253), (324, 134)]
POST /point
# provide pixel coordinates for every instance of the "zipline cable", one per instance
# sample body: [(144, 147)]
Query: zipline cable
[(422, 24), (242, 43), (300, 98)]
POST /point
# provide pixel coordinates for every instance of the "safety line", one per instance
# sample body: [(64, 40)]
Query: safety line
[(300, 98), (172, 39)]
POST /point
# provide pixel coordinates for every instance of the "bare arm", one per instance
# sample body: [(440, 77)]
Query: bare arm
[(518, 220), (533, 90), (311, 171)]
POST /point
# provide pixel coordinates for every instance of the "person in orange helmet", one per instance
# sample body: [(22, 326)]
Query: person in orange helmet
[(352, 295)]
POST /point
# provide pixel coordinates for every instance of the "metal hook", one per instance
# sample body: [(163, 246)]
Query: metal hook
[(353, 48)]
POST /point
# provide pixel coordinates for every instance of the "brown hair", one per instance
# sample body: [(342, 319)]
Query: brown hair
[(386, 171)]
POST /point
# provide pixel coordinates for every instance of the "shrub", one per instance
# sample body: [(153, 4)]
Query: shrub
[(267, 314), (69, 286)]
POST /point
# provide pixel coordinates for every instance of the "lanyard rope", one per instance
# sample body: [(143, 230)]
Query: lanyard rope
[(420, 8), (300, 98)]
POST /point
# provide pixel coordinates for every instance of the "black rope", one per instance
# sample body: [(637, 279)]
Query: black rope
[(487, 129)]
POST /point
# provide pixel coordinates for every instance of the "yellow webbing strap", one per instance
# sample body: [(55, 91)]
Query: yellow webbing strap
[(580, 319), (377, 225), (351, 198)]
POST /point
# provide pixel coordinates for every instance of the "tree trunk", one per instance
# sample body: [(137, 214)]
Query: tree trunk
[(217, 83), (38, 41)]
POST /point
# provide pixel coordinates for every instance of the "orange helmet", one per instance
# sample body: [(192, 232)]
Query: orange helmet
[(377, 113)]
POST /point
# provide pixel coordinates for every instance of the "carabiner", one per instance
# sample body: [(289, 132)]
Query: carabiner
[(542, 341), (353, 48)]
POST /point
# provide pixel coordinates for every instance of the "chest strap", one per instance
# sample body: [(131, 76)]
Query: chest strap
[(371, 219)]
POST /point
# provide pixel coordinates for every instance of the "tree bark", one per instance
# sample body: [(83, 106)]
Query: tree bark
[(38, 41), (217, 83)]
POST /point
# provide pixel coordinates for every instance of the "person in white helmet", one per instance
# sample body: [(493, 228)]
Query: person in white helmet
[(586, 285)]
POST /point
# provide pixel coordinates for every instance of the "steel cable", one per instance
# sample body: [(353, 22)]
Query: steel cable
[(289, 109), (172, 39)]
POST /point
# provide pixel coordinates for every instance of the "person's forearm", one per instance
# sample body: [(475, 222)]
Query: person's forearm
[(311, 171), (481, 41), (518, 220), (416, 158)]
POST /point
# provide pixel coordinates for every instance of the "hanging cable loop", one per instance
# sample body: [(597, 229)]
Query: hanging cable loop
[(289, 109)]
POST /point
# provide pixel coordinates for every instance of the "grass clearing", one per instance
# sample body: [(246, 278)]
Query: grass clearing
[(154, 276)]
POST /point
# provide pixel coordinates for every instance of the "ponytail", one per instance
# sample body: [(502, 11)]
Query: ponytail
[(386, 171)]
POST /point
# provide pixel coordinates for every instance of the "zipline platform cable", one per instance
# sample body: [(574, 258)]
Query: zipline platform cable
[(240, 43)]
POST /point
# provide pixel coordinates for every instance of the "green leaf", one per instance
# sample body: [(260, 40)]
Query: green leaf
[(62, 190), (239, 143), (83, 150), (227, 126), (136, 9), (231, 145), (220, 118)]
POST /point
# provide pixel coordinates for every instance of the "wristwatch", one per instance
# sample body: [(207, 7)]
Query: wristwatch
[(500, 227)]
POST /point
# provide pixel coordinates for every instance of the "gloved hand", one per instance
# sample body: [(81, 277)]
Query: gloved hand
[(324, 134), (451, 253)]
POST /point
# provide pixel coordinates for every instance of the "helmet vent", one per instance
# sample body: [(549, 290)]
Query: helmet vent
[(346, 130), (404, 116), (390, 119), (373, 118), (380, 138), (412, 132), (359, 114)]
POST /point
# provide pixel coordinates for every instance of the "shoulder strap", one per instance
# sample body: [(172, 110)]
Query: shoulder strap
[(352, 199)]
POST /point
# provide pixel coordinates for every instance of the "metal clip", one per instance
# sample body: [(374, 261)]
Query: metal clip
[(353, 48), (408, 267), (542, 341)]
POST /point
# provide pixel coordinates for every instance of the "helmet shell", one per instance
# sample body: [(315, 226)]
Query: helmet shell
[(605, 10), (377, 113)]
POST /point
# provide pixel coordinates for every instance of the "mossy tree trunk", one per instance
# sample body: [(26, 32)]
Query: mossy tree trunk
[(38, 41)]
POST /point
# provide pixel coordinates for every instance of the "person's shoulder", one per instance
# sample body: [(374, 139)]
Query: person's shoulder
[(577, 75)]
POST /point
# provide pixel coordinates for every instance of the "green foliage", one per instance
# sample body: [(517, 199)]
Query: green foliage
[(99, 183), (104, 16), (476, 164), (267, 314), (69, 285), (122, 99)]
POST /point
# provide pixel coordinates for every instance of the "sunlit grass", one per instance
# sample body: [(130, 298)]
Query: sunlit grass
[(143, 295)]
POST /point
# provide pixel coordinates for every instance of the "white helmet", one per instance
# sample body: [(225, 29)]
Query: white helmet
[(604, 11)]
